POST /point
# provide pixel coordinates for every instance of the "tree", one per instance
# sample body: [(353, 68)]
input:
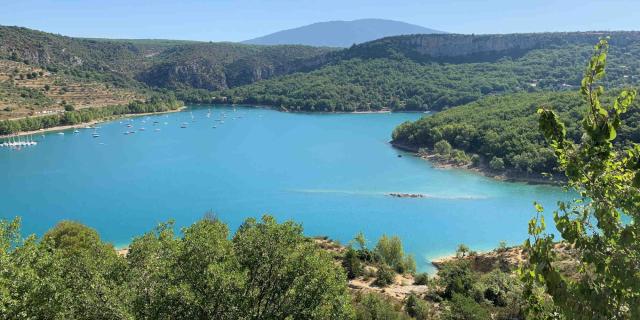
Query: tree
[(607, 181), (442, 148), (416, 307), (456, 277), (384, 276), (465, 308), (352, 264), (462, 250), (287, 275), (496, 164), (389, 250), (70, 274)]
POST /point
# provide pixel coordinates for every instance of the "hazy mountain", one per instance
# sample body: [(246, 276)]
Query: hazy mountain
[(341, 33)]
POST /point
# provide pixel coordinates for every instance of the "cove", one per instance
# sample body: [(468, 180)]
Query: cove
[(330, 172)]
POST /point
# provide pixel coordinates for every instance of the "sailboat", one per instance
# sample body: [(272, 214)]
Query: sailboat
[(95, 133)]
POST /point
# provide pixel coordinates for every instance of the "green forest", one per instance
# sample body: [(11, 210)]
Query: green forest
[(504, 130), (157, 103), (265, 270), (400, 81)]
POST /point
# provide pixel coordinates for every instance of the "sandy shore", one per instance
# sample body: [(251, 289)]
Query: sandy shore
[(90, 123)]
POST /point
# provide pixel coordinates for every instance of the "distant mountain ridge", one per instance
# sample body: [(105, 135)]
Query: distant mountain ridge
[(341, 33)]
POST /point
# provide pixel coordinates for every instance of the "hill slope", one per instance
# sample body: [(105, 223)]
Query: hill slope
[(506, 127), (39, 71), (435, 72), (341, 33)]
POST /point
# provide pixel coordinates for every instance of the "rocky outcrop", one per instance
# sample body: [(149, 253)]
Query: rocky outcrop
[(459, 47)]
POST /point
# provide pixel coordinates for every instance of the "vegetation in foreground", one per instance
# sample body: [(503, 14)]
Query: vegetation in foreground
[(601, 223), (265, 270)]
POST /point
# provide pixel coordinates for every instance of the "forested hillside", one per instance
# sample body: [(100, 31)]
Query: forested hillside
[(215, 66), (435, 72), (503, 130), (43, 73)]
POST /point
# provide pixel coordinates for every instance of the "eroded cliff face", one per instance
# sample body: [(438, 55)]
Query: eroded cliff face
[(457, 46), (465, 45)]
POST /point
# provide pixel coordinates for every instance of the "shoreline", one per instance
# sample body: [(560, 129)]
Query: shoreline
[(482, 170), (83, 124), (282, 109)]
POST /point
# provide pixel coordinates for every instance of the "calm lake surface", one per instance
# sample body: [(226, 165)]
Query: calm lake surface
[(330, 172)]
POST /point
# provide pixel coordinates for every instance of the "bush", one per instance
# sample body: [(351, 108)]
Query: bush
[(375, 307), (421, 279), (496, 164), (459, 157), (465, 308), (442, 148), (352, 264), (416, 307), (389, 251), (456, 277), (385, 276)]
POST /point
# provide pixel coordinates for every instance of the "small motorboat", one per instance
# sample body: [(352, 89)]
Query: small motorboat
[(76, 131), (61, 133)]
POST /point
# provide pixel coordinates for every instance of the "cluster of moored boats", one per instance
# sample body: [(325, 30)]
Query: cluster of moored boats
[(19, 142)]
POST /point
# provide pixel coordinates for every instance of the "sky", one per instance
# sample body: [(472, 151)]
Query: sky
[(237, 20)]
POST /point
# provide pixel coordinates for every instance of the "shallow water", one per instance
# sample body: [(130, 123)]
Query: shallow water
[(330, 172)]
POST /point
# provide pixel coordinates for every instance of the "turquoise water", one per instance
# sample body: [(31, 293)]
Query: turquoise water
[(330, 172)]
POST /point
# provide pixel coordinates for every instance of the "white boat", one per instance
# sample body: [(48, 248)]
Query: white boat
[(76, 131), (61, 133)]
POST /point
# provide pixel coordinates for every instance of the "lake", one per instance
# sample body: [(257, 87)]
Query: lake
[(330, 172)]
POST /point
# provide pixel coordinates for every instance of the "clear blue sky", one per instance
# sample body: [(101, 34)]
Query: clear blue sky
[(235, 20)]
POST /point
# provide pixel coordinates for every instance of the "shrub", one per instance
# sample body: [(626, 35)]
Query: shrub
[(465, 308), (456, 277), (496, 164), (389, 251), (352, 264), (374, 307), (442, 148), (416, 307), (421, 279), (385, 276)]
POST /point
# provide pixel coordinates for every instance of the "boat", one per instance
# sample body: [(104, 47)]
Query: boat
[(141, 129), (157, 129), (214, 127), (76, 131), (61, 133), (183, 125), (129, 125), (95, 135)]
